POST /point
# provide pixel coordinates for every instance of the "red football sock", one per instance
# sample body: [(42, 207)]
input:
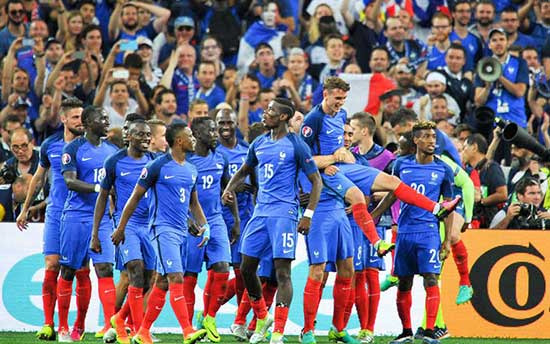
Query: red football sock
[(83, 296), (373, 283), (349, 305), (64, 291), (365, 222), (432, 305), (361, 303), (107, 296), (156, 301), (405, 193), (259, 307), (135, 300), (321, 289), (239, 285), (189, 283), (460, 255), (281, 316), (311, 303), (130, 321), (217, 291), (177, 301), (124, 312), (229, 291), (252, 324), (268, 291), (340, 294), (206, 292), (49, 295), (244, 308), (404, 303)]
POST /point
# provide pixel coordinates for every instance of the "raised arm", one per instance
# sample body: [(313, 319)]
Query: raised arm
[(162, 14)]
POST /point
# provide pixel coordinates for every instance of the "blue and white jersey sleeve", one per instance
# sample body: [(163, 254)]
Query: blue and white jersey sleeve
[(149, 174), (310, 129), (68, 159)]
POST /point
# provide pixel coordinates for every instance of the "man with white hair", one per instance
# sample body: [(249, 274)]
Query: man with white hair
[(436, 84)]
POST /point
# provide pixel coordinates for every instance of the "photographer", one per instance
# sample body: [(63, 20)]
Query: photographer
[(24, 161), (527, 214)]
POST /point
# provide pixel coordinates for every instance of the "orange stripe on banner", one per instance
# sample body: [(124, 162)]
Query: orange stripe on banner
[(510, 274)]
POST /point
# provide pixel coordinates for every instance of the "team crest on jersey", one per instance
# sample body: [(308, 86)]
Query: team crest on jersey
[(66, 158), (282, 155), (307, 131), (434, 176), (143, 174)]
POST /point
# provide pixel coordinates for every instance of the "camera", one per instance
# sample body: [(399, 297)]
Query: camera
[(8, 173), (528, 218)]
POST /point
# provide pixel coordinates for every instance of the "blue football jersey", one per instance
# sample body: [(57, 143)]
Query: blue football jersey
[(432, 180), (211, 169), (169, 186), (277, 164), (122, 172), (86, 160), (323, 133), (50, 157), (235, 159)]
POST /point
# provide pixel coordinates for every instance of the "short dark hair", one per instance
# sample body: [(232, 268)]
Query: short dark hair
[(458, 46), (134, 117), (440, 96), (87, 29), (460, 2), (218, 43), (524, 183), (158, 98), (530, 48), (285, 106), (89, 112), (365, 121), (133, 60), (70, 103), (479, 141), (261, 46), (334, 82), (381, 48), (12, 2), (266, 90), (172, 131), (332, 36), (196, 102), (12, 119), (403, 116), (86, 2), (206, 63), (199, 122), (462, 127), (486, 2), (118, 82), (509, 9)]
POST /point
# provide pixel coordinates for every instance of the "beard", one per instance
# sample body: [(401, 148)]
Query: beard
[(131, 27), (76, 132)]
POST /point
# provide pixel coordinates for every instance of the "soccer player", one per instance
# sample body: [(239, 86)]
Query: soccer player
[(418, 248), (277, 156), (462, 217), (82, 169), (50, 158), (367, 262), (235, 150), (323, 131), (122, 170), (212, 169), (169, 181)]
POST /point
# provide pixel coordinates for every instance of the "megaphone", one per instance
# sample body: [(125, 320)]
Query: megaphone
[(489, 69), (515, 134), (484, 118)]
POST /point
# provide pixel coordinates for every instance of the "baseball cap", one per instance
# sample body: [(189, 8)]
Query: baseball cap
[(436, 76), (496, 30), (50, 41), (142, 40), (184, 21)]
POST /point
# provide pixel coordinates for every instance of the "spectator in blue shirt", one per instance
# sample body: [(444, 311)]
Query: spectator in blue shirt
[(209, 91), (509, 20), (16, 26)]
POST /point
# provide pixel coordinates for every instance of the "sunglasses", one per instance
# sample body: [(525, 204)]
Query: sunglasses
[(17, 12), (185, 28)]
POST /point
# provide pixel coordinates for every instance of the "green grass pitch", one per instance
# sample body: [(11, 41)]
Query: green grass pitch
[(28, 338)]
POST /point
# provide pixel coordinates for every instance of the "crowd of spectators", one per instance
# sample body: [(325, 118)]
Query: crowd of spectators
[(177, 60)]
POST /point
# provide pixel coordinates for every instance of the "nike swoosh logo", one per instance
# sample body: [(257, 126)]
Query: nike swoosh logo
[(179, 298), (168, 177), (158, 308), (55, 156), (437, 266), (86, 159), (122, 174), (407, 171), (109, 291), (287, 251), (373, 260), (330, 131)]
